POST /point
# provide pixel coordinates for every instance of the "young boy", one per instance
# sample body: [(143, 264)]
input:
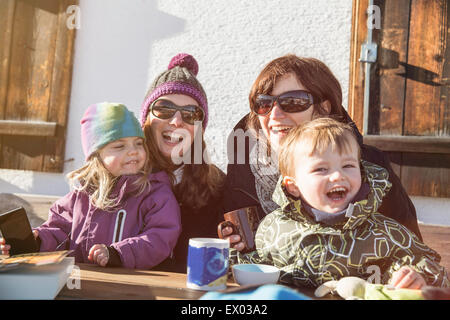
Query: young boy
[(327, 226)]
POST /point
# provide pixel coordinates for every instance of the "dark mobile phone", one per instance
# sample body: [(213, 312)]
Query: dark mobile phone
[(16, 230)]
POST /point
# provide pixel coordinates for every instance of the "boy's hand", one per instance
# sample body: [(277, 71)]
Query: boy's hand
[(407, 278), (4, 248), (99, 254)]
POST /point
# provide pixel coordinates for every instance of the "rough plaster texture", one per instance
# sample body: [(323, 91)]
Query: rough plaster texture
[(233, 40), (121, 46)]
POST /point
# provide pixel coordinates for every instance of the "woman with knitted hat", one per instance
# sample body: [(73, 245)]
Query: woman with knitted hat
[(119, 214), (175, 114)]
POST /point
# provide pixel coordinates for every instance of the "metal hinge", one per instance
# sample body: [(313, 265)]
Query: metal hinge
[(368, 52), (368, 56)]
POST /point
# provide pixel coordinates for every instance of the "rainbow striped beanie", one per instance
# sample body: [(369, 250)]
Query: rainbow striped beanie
[(106, 122)]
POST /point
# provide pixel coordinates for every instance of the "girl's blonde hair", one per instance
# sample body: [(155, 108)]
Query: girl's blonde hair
[(98, 182), (315, 136)]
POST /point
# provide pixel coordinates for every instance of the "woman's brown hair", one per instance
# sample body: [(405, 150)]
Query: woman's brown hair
[(200, 182), (315, 76)]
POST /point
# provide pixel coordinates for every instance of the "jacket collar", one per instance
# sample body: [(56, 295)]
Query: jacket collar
[(125, 186), (375, 176)]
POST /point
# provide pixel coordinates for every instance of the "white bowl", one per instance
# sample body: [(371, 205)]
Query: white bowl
[(255, 274)]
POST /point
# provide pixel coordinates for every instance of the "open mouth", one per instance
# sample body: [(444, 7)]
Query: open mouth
[(172, 137), (337, 193), (280, 129)]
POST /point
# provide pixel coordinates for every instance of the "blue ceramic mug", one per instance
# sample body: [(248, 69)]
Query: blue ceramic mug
[(207, 265)]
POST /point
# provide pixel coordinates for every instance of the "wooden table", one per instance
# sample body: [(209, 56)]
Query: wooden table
[(122, 284), (37, 206), (125, 284)]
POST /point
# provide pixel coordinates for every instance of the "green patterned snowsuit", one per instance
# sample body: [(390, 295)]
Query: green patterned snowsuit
[(310, 253)]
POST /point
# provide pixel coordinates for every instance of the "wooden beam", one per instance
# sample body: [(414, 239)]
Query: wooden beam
[(356, 79), (421, 144), (28, 128), (58, 108)]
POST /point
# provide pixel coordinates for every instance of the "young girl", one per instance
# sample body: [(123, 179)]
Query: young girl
[(119, 214)]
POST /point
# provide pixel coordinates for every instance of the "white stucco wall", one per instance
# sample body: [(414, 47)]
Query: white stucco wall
[(122, 45)]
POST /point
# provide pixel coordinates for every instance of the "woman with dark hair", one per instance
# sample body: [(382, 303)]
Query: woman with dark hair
[(288, 92), (174, 115)]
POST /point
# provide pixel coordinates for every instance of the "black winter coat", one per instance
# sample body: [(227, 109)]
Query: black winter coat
[(195, 223)]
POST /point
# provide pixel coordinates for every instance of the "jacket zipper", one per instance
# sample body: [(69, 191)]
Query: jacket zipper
[(118, 230)]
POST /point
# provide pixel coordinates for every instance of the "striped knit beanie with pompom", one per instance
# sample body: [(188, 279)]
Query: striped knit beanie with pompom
[(106, 122), (180, 78)]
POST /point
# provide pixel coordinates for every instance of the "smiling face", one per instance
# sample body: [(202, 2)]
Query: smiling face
[(277, 123), (328, 181), (173, 136), (125, 156)]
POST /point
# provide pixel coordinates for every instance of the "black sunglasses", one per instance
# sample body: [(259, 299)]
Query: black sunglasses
[(165, 109), (291, 101)]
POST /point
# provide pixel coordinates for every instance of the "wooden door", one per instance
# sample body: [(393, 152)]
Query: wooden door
[(36, 54), (409, 111)]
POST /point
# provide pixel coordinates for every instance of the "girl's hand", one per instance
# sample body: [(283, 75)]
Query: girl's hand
[(235, 239), (99, 254), (4, 248), (407, 278)]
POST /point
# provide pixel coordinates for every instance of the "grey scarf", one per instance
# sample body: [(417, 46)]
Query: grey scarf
[(266, 173)]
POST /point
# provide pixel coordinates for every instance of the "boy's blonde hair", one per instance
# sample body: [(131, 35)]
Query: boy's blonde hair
[(315, 136), (98, 182)]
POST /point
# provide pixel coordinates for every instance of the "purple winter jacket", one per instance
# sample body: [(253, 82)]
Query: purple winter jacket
[(143, 230)]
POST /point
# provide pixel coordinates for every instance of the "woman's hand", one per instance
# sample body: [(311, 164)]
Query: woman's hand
[(4, 248), (99, 254), (407, 278), (235, 239)]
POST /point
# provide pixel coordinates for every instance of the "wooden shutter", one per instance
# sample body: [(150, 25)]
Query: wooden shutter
[(35, 81), (409, 112)]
